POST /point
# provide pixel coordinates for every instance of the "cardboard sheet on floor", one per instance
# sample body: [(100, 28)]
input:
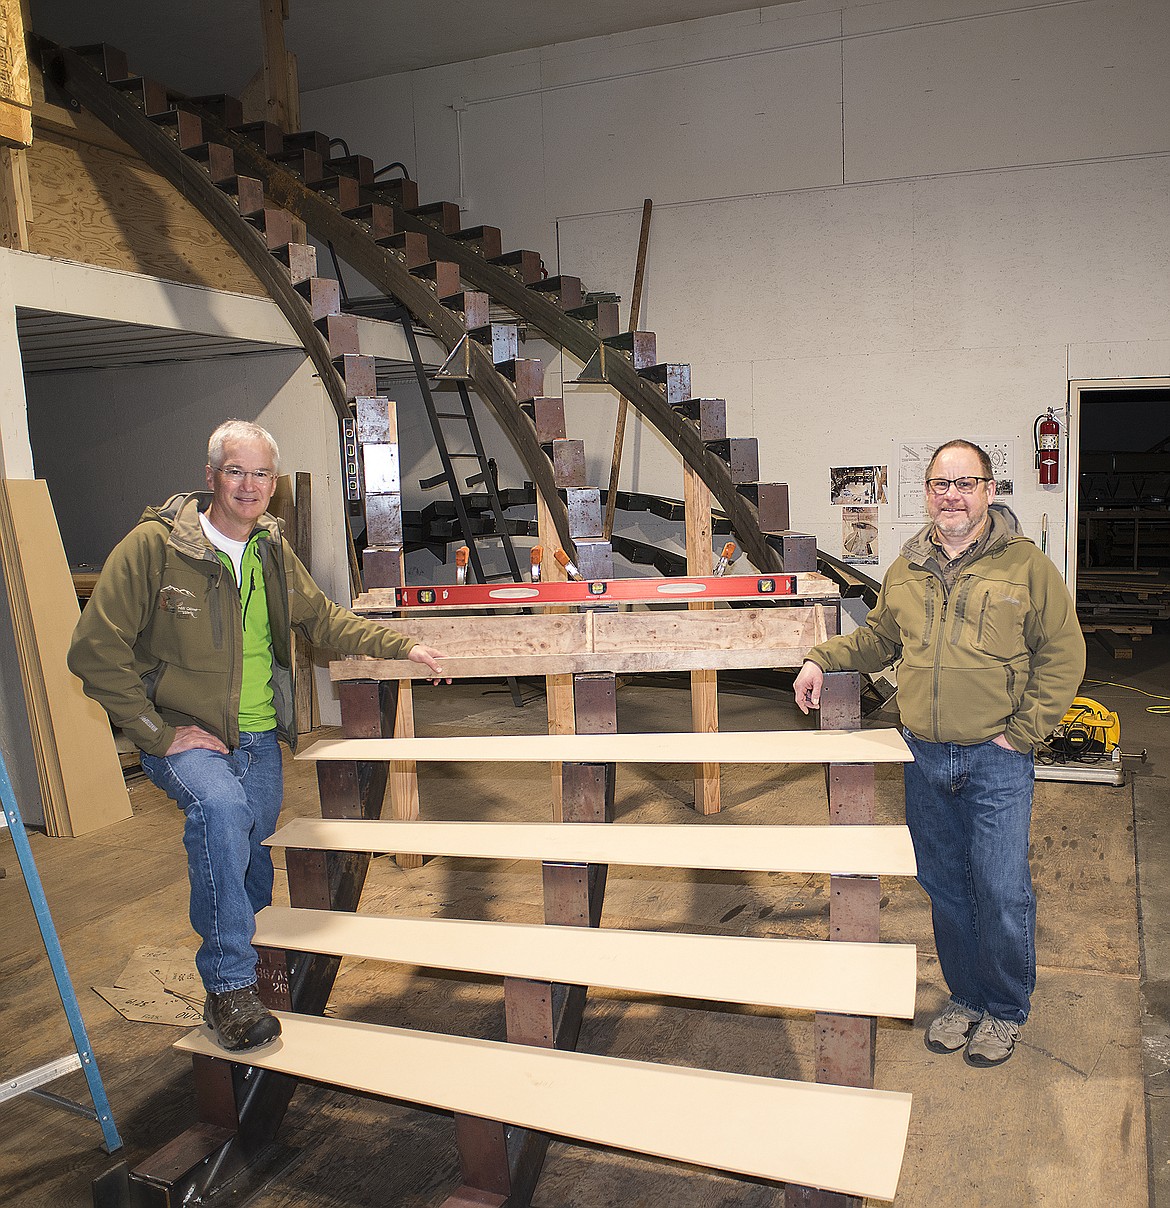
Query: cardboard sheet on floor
[(77, 763), (158, 985)]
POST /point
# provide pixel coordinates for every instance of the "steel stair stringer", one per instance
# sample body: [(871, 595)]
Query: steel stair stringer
[(378, 266), (285, 190), (125, 120), (642, 394), (383, 268)]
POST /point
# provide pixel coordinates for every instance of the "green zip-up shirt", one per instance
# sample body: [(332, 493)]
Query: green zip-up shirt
[(257, 711)]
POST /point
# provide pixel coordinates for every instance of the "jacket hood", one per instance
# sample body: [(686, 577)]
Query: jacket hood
[(1005, 527), (180, 514)]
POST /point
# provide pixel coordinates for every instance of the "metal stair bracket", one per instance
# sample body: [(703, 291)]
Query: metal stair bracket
[(82, 1057)]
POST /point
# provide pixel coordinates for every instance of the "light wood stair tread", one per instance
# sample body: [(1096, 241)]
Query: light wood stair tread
[(863, 851), (760, 746), (796, 974), (840, 1138)]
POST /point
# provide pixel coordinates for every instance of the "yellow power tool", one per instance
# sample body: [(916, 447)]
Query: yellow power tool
[(1088, 731)]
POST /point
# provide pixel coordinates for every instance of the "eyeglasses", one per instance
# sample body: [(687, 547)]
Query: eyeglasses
[(940, 486), (236, 474)]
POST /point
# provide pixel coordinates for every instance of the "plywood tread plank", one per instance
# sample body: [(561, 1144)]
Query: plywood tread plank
[(860, 851), (760, 746), (802, 975), (840, 1138)]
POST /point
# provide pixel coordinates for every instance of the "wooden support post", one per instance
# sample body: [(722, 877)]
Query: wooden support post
[(278, 88), (845, 1043), (15, 198), (558, 688), (705, 683), (384, 566), (619, 434), (15, 126)]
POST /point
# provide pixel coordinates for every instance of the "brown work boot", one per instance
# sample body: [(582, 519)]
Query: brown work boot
[(240, 1020)]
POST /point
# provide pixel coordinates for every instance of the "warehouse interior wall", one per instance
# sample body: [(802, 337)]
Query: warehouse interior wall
[(875, 224)]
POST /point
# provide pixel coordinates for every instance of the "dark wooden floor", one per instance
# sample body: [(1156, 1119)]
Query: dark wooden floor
[(1064, 1118)]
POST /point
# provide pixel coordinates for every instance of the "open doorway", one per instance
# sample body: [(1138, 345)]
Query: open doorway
[(1118, 523)]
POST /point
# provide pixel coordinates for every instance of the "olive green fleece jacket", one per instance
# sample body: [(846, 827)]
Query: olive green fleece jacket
[(160, 643), (1001, 653)]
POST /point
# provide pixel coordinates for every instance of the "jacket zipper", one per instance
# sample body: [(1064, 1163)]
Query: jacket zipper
[(939, 639)]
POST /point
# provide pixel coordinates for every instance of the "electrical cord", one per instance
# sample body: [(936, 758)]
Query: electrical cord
[(1157, 710)]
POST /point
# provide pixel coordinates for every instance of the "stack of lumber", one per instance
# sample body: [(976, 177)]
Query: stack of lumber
[(77, 765), (1119, 606)]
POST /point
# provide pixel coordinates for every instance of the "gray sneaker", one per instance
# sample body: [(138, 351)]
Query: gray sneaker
[(949, 1032), (992, 1042)]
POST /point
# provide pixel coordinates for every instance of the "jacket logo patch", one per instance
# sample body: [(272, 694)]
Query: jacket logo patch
[(177, 600)]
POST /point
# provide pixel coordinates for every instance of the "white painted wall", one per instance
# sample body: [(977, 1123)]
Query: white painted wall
[(874, 221)]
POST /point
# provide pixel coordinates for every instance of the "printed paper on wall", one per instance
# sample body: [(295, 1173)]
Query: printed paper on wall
[(859, 536), (855, 485)]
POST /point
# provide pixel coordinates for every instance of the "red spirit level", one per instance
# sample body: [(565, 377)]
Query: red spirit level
[(597, 591)]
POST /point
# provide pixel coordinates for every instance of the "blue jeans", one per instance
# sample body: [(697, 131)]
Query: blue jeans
[(231, 802), (969, 810)]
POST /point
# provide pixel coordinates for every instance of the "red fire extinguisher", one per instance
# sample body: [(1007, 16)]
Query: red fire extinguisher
[(1046, 432)]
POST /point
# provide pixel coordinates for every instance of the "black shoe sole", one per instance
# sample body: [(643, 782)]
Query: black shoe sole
[(245, 1045), (935, 1047), (981, 1063)]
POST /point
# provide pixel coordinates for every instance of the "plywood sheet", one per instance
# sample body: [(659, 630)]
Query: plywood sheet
[(841, 1138), (81, 778), (92, 204), (755, 746), (860, 851), (803, 975)]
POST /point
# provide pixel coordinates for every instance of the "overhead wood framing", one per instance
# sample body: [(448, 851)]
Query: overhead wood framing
[(83, 83)]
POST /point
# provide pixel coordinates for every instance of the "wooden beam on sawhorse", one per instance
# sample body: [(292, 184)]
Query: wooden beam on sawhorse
[(845, 1044), (501, 1164)]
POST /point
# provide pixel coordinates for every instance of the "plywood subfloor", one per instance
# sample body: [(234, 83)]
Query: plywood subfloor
[(1061, 1124)]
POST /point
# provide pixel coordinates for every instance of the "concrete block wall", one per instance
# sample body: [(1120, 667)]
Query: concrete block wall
[(874, 222)]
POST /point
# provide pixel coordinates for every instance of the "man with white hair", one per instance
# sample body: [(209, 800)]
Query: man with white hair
[(186, 645)]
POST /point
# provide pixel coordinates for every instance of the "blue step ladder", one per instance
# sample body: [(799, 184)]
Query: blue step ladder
[(82, 1058)]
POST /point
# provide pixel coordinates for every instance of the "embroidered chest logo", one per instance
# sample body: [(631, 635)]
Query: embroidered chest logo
[(177, 600)]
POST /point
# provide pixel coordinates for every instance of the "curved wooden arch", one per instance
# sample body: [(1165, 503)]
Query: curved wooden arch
[(379, 265)]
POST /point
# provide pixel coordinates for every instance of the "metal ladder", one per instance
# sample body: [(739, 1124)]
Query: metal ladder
[(82, 1058), (389, 310)]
